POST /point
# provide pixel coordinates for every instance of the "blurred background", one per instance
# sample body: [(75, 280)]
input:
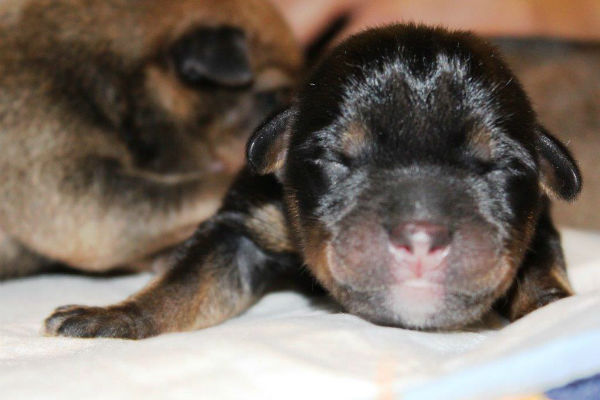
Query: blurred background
[(552, 45), (575, 19)]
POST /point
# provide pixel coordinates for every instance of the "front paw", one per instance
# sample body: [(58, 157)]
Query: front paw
[(122, 321)]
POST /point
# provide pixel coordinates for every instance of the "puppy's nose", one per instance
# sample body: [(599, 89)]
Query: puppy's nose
[(420, 246)]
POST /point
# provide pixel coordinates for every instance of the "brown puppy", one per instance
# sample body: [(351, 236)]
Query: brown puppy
[(122, 122)]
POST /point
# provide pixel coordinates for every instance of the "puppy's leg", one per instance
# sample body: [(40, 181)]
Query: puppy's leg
[(220, 275), (221, 271), (542, 278)]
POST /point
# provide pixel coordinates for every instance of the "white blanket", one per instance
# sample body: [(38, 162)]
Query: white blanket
[(289, 347)]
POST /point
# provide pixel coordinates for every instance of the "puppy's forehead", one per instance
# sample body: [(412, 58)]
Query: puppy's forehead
[(413, 80)]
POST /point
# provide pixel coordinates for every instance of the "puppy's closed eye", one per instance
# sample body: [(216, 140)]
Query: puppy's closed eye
[(336, 168)]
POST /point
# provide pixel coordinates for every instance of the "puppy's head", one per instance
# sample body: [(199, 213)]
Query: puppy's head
[(414, 171), (222, 67), (185, 82)]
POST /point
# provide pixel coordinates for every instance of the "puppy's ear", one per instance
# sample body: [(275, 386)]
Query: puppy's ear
[(560, 175), (213, 55), (267, 148)]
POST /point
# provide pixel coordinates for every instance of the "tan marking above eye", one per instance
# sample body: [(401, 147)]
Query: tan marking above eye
[(481, 144), (353, 140)]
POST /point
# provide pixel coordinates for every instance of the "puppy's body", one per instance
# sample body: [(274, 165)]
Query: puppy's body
[(123, 122), (410, 176)]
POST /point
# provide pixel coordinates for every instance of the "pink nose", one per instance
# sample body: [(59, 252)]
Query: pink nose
[(420, 246)]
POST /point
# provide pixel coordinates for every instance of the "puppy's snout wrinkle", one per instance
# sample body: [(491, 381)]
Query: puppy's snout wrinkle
[(420, 246)]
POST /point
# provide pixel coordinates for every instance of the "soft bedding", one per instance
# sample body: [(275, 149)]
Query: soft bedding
[(289, 346)]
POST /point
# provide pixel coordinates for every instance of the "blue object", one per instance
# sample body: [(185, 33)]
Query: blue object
[(584, 389)]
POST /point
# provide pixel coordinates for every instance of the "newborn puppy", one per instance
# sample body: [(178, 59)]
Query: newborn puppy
[(123, 122), (410, 176)]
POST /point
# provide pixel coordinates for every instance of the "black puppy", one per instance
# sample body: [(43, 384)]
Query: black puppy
[(410, 176)]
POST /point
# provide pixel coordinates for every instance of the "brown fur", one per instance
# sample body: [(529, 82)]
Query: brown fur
[(317, 249), (481, 144), (533, 291), (543, 280), (74, 76), (353, 140), (269, 225)]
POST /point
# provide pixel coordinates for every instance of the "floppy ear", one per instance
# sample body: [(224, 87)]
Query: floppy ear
[(560, 175), (213, 55), (267, 148)]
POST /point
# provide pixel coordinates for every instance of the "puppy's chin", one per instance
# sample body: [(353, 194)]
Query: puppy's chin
[(417, 305)]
